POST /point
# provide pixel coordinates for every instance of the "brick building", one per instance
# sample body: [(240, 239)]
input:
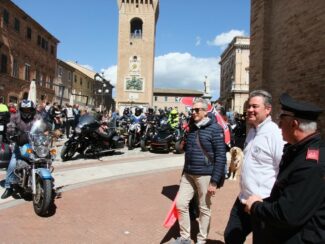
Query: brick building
[(27, 52), (287, 51)]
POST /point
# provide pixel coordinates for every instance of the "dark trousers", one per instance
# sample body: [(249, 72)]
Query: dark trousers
[(69, 124), (240, 225)]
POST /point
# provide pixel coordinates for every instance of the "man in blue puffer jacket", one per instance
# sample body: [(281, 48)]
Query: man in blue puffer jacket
[(205, 159)]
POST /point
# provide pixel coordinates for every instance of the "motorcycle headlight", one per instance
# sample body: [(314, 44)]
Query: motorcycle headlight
[(42, 151)]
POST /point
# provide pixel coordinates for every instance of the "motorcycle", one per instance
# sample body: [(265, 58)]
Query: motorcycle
[(166, 138), (134, 135), (149, 132), (34, 168), (89, 141)]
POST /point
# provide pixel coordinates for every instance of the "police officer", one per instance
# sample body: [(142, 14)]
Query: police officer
[(295, 210)]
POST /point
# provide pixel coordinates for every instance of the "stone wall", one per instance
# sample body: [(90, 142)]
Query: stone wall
[(288, 50)]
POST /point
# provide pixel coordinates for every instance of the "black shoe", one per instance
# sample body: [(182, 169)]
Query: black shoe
[(8, 192)]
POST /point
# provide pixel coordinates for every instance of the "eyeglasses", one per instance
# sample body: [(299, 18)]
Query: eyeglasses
[(197, 110)]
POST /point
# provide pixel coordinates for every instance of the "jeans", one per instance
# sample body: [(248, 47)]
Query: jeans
[(188, 186), (11, 177)]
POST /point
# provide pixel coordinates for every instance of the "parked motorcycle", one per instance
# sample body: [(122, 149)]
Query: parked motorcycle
[(134, 135), (34, 168), (166, 138), (89, 141), (148, 134)]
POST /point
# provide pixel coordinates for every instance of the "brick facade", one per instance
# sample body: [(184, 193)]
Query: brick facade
[(27, 52), (287, 50)]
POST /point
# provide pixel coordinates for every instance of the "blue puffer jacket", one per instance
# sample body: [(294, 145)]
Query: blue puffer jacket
[(212, 141)]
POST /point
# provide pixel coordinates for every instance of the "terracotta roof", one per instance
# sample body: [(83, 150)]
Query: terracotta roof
[(88, 72)]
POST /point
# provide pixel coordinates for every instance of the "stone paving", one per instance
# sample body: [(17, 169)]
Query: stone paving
[(127, 205)]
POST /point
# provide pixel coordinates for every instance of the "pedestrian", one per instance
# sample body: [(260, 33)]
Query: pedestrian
[(205, 159), (262, 155), (295, 211), (69, 119)]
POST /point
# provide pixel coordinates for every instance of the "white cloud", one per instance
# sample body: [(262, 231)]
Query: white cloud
[(198, 41), (225, 38), (110, 74), (184, 71), (180, 71)]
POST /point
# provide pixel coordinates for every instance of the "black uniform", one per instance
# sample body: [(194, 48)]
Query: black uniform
[(295, 210)]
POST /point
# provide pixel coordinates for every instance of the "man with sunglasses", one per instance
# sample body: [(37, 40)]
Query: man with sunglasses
[(295, 210), (205, 159), (262, 154)]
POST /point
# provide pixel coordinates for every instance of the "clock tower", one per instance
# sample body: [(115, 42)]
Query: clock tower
[(136, 52)]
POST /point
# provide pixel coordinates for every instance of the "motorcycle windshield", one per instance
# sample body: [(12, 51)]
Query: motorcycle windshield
[(86, 120), (39, 133), (39, 127)]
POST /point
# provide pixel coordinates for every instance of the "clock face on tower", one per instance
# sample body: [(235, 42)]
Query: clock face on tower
[(134, 65)]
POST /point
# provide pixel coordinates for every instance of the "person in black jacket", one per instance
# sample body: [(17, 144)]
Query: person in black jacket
[(205, 159), (295, 210)]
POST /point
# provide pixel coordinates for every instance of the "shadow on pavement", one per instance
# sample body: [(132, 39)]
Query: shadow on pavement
[(170, 191)]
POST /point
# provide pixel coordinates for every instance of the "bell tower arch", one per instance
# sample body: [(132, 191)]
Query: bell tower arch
[(136, 52)]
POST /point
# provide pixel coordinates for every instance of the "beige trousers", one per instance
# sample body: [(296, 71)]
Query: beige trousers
[(188, 186)]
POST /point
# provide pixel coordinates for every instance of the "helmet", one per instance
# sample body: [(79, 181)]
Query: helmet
[(137, 111), (150, 111), (27, 109), (126, 111), (174, 112)]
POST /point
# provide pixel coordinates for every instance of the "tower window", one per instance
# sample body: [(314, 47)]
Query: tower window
[(136, 28)]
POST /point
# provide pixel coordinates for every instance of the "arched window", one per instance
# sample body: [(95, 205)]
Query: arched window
[(136, 28)]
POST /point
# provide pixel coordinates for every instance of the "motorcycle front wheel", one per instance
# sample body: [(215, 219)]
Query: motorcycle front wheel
[(43, 197), (143, 145), (131, 141), (68, 151)]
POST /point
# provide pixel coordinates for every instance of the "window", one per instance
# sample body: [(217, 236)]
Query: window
[(88, 85), (5, 16), (15, 69), (39, 40), (17, 25), (29, 33), (4, 61), (80, 81), (38, 76), (60, 73), (52, 49), (75, 78), (27, 72), (156, 98), (166, 98), (69, 75), (136, 28)]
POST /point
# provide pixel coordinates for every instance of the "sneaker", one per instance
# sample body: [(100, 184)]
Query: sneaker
[(181, 240), (8, 192)]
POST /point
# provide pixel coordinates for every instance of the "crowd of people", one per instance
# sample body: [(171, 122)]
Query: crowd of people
[(282, 186)]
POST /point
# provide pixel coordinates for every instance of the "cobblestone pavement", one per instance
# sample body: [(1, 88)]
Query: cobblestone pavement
[(126, 209)]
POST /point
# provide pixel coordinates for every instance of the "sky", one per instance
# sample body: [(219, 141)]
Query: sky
[(190, 36)]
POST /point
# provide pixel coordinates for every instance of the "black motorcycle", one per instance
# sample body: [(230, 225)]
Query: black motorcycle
[(166, 138), (149, 132), (89, 140)]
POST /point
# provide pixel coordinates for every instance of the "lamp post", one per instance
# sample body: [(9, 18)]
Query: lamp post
[(102, 89)]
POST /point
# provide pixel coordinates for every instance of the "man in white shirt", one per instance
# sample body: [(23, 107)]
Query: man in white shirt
[(263, 152)]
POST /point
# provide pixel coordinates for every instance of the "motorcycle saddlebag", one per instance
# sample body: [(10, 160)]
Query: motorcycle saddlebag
[(117, 142)]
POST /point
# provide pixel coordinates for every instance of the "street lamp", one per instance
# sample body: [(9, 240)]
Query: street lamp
[(103, 89)]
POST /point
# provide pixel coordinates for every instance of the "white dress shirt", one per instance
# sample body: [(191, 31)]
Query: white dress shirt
[(262, 156)]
